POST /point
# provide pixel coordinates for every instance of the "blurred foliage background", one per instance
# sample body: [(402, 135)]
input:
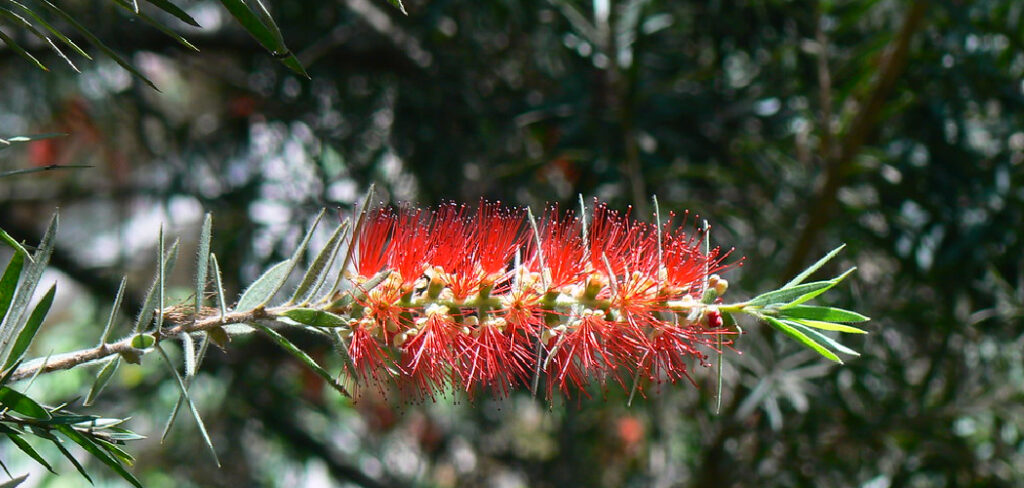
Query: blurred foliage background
[(896, 127)]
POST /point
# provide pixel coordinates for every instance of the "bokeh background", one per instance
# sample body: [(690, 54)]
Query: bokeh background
[(896, 127)]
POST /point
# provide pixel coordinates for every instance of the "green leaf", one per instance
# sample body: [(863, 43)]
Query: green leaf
[(822, 339), (801, 338), (263, 289), (20, 51), (98, 453), (15, 319), (7, 239), (302, 356), (399, 6), (219, 286), (98, 43), (9, 283), (202, 262), (364, 210), (814, 267), (6, 12), (8, 142), (119, 453), (798, 294), (14, 482), (831, 326), (825, 314), (143, 341), (192, 406), (105, 335), (315, 318), (56, 33), (317, 271), (63, 450), (102, 379), (31, 327), (28, 449), (22, 404), (153, 298), (175, 11), (134, 8), (269, 36)]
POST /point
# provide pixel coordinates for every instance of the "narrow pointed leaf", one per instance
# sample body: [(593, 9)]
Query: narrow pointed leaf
[(154, 298), (105, 335), (20, 51), (302, 356), (9, 283), (315, 318), (202, 262), (98, 43), (802, 338), (191, 405), (6, 12), (22, 404), (31, 327), (822, 339), (15, 482), (817, 324), (7, 239), (267, 35), (364, 210), (15, 319), (797, 294), (102, 379), (56, 33), (188, 348), (63, 450), (28, 449), (134, 8), (98, 453), (826, 314), (398, 4), (814, 267), (263, 289), (218, 286), (317, 271), (175, 11)]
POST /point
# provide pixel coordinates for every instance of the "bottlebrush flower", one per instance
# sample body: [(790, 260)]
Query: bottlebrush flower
[(486, 300)]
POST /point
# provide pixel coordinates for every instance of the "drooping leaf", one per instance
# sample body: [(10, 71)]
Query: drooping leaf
[(315, 318), (822, 339), (10, 14), (98, 453), (97, 42), (175, 11), (801, 338), (31, 327), (269, 36), (28, 449), (56, 33), (63, 450), (302, 356), (20, 51), (134, 8), (191, 405)]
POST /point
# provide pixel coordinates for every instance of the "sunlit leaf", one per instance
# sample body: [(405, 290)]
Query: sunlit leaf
[(802, 338), (31, 327), (98, 453), (315, 318), (825, 314), (22, 404), (814, 267), (302, 356)]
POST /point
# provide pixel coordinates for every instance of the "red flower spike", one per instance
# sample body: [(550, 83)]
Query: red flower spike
[(600, 305)]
